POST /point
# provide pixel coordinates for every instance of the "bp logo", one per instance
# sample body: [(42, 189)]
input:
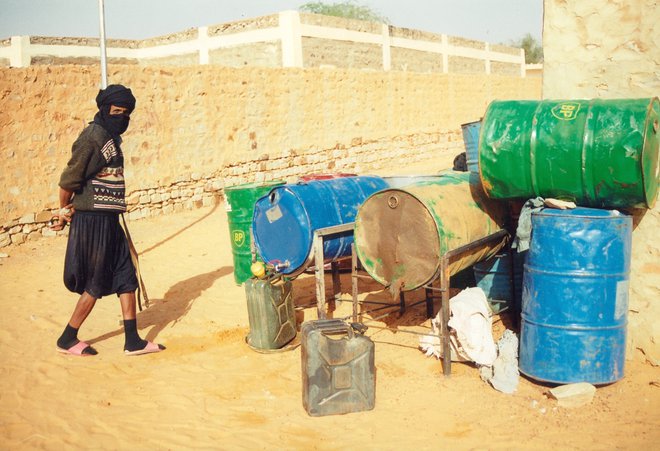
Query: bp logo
[(239, 237), (566, 111)]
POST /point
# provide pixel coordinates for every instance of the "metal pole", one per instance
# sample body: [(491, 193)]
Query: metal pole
[(104, 69)]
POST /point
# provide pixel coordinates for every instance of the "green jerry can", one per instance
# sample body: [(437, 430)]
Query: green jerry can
[(270, 312), (338, 370)]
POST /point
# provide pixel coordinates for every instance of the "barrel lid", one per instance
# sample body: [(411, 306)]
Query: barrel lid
[(397, 240), (282, 229), (650, 165), (582, 212)]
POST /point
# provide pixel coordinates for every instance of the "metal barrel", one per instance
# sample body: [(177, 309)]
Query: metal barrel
[(493, 276), (597, 153), (239, 203), (575, 296), (284, 222), (471, 132), (401, 234)]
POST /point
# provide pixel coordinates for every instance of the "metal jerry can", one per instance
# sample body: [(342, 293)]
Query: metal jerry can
[(338, 370), (270, 312)]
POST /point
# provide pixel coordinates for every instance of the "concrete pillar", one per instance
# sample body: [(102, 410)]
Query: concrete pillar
[(487, 48), (445, 54), (291, 39), (387, 52), (20, 51), (203, 43)]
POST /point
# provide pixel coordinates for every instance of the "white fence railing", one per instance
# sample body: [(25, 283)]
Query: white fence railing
[(289, 32)]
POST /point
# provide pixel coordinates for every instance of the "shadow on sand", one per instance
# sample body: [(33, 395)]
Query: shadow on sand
[(175, 304)]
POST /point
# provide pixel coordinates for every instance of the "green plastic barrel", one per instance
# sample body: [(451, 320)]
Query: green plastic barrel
[(239, 203), (597, 153)]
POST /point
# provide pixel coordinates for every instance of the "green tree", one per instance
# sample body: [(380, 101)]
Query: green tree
[(533, 49), (348, 9)]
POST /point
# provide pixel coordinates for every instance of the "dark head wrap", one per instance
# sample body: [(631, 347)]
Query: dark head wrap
[(116, 95)]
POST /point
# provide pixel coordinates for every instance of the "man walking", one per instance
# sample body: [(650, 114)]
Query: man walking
[(92, 196)]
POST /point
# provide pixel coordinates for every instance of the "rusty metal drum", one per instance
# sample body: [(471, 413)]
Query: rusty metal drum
[(401, 234)]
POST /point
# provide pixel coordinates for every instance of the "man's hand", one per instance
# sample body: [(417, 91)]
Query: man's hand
[(60, 220)]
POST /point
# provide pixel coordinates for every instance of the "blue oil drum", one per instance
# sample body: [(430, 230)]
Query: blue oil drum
[(285, 219), (493, 276), (471, 132), (575, 296)]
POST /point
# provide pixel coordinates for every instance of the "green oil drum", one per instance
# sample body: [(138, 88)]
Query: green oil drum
[(239, 203), (270, 313), (597, 153), (401, 234)]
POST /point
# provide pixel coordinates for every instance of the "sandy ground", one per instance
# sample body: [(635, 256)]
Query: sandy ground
[(209, 390)]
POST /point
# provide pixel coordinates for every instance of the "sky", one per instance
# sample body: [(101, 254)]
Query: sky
[(494, 21)]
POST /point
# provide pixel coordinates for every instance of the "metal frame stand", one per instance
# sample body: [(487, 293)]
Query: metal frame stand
[(443, 278), (444, 290), (319, 270)]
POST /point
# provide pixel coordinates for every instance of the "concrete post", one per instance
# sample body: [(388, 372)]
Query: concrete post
[(445, 54), (203, 43), (487, 48), (20, 51), (291, 39), (387, 51)]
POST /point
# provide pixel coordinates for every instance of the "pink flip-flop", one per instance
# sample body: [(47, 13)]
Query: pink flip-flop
[(148, 349), (78, 349)]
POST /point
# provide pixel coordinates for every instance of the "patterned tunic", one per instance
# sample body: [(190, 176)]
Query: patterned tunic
[(95, 172)]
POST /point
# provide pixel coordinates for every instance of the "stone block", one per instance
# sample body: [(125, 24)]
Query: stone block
[(5, 239), (26, 219), (135, 214), (573, 395), (17, 238), (43, 216), (208, 201), (33, 236), (48, 232)]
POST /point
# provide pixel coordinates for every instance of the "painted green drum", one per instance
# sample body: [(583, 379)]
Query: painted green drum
[(239, 203), (597, 153), (401, 234)]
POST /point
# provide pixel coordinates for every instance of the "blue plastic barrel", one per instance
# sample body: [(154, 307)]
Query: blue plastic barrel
[(471, 132), (284, 220), (575, 296), (493, 276)]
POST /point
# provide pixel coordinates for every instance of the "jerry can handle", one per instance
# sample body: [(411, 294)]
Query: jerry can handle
[(334, 327)]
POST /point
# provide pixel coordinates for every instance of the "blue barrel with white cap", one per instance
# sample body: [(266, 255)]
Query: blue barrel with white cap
[(285, 219)]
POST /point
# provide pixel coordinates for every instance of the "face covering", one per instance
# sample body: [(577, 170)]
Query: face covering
[(117, 95), (115, 124)]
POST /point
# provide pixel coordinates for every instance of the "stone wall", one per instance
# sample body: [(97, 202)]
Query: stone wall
[(612, 50), (341, 54), (587, 56), (198, 129)]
